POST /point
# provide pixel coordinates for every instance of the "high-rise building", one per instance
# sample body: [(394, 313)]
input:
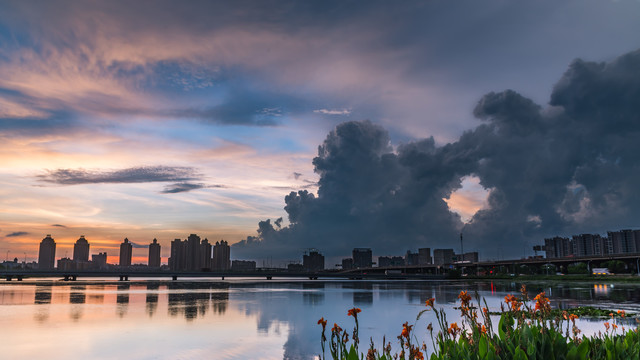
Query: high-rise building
[(125, 253), (557, 247), (347, 264), (411, 258), (47, 254), (424, 256), (313, 261), (193, 252), (205, 254), (623, 241), (443, 256), (178, 258), (81, 250), (99, 261), (386, 261), (243, 265), (221, 255), (362, 257), (154, 254)]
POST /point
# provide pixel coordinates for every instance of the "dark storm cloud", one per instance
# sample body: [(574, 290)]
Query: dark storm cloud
[(17, 233), (571, 168), (130, 175)]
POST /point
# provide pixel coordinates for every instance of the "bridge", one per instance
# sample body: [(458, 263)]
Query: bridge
[(124, 275), (631, 260)]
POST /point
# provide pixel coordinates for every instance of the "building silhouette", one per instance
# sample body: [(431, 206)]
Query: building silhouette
[(424, 256), (193, 253), (362, 257), (411, 258), (125, 253), (313, 261), (154, 254), (99, 261), (386, 261), (205, 254), (443, 256), (47, 254), (616, 242), (347, 263), (190, 254), (81, 250), (221, 255), (243, 265)]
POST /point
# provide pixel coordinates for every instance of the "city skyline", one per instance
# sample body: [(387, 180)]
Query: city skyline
[(322, 125)]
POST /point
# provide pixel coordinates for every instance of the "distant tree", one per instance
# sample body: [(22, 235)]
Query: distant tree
[(616, 266), (578, 268), (454, 274)]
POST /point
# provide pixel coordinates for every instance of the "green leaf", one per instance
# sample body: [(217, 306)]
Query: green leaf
[(482, 347), (352, 355)]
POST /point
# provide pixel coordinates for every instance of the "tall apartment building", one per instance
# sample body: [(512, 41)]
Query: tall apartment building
[(362, 257), (313, 261), (386, 261), (126, 250), (99, 261), (193, 253), (47, 254), (205, 254), (424, 256), (189, 254), (221, 256), (411, 258), (443, 256), (154, 254), (81, 250), (624, 241), (616, 242)]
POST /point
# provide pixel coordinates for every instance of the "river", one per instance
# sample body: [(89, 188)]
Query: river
[(242, 318)]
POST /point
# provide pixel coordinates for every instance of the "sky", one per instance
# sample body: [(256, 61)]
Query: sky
[(281, 126)]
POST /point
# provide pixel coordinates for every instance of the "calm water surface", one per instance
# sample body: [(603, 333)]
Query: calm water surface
[(241, 318)]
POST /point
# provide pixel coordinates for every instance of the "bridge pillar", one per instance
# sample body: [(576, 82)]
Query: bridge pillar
[(124, 277), (8, 277), (19, 277), (269, 277), (223, 278), (174, 277), (74, 277)]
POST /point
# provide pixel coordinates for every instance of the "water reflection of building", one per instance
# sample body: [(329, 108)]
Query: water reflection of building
[(122, 299), (78, 294), (47, 254), (43, 294), (194, 300), (78, 297), (313, 293), (152, 298), (362, 293)]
